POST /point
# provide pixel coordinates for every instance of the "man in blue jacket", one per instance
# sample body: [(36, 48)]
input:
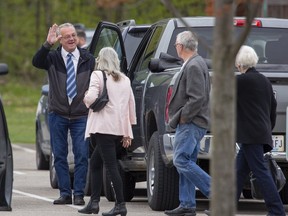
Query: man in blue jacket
[(69, 68)]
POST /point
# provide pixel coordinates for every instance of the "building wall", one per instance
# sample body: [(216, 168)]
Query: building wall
[(277, 8), (270, 8)]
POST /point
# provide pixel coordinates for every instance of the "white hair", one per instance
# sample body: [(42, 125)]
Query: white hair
[(188, 39), (246, 57), (108, 61), (64, 25)]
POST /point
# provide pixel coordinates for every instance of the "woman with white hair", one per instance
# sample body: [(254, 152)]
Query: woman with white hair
[(256, 117), (109, 129)]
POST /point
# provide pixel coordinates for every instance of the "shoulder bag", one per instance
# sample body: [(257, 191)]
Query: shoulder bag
[(103, 99), (276, 173)]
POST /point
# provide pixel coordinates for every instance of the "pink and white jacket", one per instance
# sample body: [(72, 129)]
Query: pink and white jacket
[(119, 114)]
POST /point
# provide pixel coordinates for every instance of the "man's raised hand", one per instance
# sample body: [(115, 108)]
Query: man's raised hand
[(52, 36)]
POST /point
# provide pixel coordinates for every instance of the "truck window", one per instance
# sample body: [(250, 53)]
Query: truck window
[(108, 38), (150, 49), (134, 39), (271, 44), (204, 35)]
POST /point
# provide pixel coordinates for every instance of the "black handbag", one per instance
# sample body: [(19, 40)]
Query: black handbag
[(276, 173), (103, 99)]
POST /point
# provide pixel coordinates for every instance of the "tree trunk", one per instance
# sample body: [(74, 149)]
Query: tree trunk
[(223, 200)]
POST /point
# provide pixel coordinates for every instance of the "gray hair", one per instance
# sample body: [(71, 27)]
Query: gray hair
[(64, 25), (246, 57), (108, 61), (188, 39)]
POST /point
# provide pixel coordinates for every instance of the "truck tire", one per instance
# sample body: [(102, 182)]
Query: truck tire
[(129, 184), (162, 182)]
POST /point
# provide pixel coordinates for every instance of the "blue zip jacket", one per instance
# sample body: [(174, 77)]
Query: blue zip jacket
[(53, 63)]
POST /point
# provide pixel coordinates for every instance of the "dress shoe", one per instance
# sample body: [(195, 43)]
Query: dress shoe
[(62, 200), (119, 209), (91, 208), (78, 200), (180, 211)]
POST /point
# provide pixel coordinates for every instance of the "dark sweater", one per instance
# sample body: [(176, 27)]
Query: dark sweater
[(256, 109)]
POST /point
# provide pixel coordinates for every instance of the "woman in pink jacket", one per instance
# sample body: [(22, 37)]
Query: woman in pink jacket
[(108, 128)]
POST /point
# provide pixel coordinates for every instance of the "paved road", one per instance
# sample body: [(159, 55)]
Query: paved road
[(33, 196)]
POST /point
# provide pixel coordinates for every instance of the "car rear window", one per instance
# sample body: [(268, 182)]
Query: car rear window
[(271, 44)]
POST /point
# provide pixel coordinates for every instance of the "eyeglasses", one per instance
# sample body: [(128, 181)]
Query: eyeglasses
[(67, 37)]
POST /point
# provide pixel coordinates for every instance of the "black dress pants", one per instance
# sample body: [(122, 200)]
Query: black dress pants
[(105, 153)]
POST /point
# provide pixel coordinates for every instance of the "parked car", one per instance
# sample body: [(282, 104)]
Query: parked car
[(44, 158), (6, 157), (153, 70)]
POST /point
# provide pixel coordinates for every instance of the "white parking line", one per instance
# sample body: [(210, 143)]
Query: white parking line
[(41, 198), (23, 148), (14, 146), (19, 172)]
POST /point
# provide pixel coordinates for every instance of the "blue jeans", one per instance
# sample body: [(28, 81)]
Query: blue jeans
[(59, 127), (250, 157), (185, 151)]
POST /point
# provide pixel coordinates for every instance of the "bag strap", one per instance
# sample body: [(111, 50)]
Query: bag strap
[(104, 78)]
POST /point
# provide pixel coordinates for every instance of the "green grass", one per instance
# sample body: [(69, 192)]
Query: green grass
[(20, 103)]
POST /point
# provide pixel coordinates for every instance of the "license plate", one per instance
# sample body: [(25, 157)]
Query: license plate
[(206, 145), (278, 143)]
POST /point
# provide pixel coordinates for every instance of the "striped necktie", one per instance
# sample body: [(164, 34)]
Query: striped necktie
[(71, 78)]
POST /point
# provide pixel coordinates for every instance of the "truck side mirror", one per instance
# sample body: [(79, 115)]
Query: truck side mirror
[(164, 62)]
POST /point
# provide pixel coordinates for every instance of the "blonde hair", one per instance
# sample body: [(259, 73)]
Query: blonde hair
[(108, 61), (246, 57)]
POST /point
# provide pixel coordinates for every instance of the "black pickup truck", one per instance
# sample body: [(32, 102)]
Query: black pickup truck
[(152, 72)]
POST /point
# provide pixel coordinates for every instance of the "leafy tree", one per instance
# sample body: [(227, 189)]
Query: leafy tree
[(24, 23)]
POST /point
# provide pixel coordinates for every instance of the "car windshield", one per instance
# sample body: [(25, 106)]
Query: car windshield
[(271, 44)]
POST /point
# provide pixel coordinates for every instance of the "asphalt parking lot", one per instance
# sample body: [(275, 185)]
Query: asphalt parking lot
[(33, 196)]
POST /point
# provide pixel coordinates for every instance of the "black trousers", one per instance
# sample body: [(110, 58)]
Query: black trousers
[(105, 153)]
